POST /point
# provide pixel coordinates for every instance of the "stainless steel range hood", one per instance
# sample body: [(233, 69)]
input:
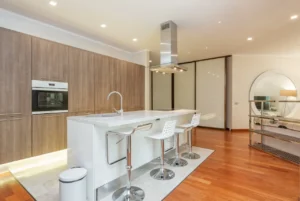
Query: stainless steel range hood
[(168, 50)]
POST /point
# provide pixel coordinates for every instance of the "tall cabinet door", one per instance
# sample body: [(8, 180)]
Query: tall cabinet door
[(103, 83), (15, 139), (210, 92), (81, 81), (49, 60), (15, 76), (48, 133), (184, 88)]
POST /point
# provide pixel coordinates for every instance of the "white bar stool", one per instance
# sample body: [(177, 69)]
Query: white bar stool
[(194, 123), (129, 193), (168, 131), (177, 161)]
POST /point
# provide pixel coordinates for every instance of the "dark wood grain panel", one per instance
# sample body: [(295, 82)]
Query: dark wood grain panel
[(49, 60), (15, 139), (15, 76), (81, 81), (48, 133)]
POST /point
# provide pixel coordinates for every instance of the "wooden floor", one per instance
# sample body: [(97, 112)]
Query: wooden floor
[(11, 190), (233, 172)]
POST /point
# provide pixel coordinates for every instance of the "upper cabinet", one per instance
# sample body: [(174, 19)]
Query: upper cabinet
[(104, 81), (81, 81), (15, 73), (49, 60)]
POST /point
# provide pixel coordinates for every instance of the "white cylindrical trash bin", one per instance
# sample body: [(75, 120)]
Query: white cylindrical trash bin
[(72, 185)]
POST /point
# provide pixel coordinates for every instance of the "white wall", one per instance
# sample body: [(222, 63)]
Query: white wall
[(245, 68)]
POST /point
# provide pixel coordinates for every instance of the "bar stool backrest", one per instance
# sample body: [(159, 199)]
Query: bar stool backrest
[(196, 120), (169, 129)]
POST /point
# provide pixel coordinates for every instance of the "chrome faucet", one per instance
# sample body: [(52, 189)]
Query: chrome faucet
[(121, 99)]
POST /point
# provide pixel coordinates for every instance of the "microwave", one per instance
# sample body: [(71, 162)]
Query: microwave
[(49, 97)]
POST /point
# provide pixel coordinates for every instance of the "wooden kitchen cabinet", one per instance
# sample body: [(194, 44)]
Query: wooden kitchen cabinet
[(81, 81), (103, 83), (48, 133), (15, 138), (15, 73), (49, 60)]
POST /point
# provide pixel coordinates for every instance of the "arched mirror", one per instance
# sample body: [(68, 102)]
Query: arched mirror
[(272, 85)]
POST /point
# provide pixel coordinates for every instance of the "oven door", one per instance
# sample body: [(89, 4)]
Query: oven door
[(49, 101)]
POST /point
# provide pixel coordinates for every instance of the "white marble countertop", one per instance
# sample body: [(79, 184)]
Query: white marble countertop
[(130, 117)]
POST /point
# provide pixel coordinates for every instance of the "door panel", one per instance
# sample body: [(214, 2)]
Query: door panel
[(48, 133), (15, 76), (184, 88), (15, 139), (210, 95), (81, 81), (49, 60), (103, 83)]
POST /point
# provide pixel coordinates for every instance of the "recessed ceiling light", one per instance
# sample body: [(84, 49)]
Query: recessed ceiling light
[(189, 52), (220, 22), (53, 3), (294, 17), (156, 71), (103, 25), (150, 61), (249, 39), (135, 39), (181, 70), (206, 48), (163, 73)]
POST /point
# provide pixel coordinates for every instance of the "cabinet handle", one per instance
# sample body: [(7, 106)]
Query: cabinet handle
[(48, 116)]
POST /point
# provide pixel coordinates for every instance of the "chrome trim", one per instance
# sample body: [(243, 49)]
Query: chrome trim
[(140, 127), (51, 112), (48, 89), (107, 189)]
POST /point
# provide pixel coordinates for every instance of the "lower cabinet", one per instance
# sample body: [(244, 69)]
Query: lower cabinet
[(15, 138), (49, 133)]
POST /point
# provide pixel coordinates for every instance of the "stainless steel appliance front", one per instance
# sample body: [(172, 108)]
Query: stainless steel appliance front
[(49, 97)]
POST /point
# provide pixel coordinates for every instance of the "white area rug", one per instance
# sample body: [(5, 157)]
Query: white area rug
[(43, 185), (156, 190)]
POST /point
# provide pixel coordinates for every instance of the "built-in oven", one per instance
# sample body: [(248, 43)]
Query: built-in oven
[(49, 97)]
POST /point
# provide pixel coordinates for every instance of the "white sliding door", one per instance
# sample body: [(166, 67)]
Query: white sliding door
[(162, 91), (210, 92), (184, 88)]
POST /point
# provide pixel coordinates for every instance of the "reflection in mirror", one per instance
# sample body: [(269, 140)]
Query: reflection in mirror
[(272, 85)]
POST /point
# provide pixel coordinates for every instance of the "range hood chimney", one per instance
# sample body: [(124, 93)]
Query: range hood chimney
[(168, 50)]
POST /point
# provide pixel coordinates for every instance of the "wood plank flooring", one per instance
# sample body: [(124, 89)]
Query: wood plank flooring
[(233, 172), (11, 189)]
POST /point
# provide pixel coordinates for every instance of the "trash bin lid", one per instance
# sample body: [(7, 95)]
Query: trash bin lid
[(72, 175)]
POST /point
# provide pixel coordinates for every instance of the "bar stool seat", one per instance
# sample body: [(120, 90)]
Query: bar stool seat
[(168, 131), (129, 193)]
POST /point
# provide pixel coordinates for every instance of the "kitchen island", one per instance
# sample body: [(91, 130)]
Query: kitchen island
[(103, 155)]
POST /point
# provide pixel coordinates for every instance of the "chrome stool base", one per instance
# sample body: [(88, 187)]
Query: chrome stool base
[(190, 155), (177, 162), (162, 174), (134, 194)]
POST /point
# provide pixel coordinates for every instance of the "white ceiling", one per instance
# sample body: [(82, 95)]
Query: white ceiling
[(267, 21)]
